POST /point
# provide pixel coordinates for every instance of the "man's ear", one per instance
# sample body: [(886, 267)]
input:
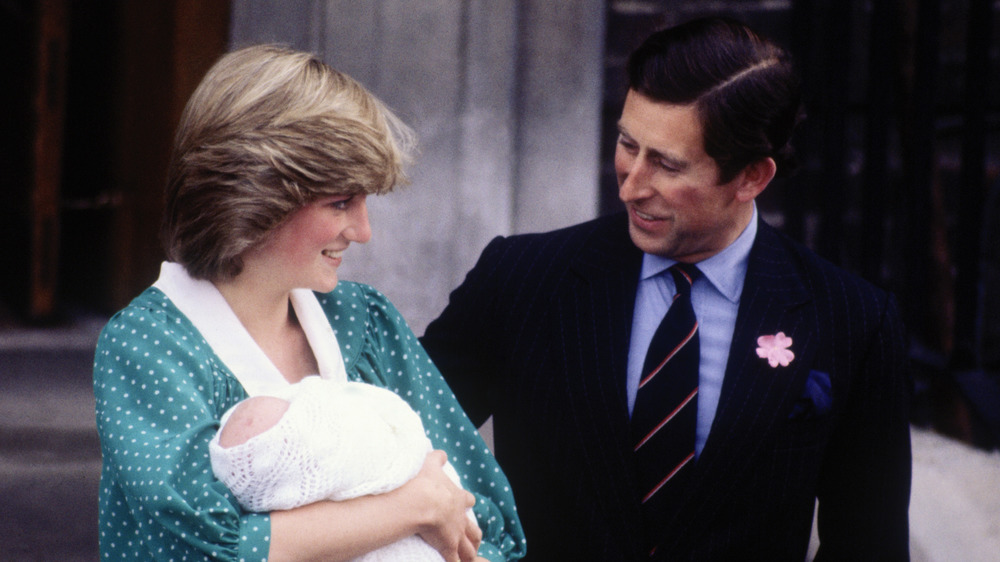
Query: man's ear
[(755, 178)]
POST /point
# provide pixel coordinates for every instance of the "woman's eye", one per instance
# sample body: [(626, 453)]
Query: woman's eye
[(341, 204)]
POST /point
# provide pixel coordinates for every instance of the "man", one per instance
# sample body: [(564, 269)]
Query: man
[(801, 392)]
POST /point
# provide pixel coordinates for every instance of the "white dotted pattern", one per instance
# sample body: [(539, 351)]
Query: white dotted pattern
[(161, 391)]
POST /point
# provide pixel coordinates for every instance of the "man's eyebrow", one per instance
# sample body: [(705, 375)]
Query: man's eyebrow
[(671, 161)]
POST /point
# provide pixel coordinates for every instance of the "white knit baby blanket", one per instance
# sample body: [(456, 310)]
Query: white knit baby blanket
[(336, 441)]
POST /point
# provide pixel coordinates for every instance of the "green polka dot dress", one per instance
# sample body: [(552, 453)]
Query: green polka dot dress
[(160, 391)]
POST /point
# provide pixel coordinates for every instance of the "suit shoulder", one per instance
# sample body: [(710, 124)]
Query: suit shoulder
[(823, 276), (525, 264), (562, 243)]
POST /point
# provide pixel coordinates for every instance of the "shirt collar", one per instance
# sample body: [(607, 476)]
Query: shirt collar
[(725, 270)]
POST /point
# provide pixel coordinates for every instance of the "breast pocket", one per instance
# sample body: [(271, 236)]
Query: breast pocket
[(807, 424)]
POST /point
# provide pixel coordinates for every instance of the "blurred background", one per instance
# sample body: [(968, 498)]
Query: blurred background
[(515, 105)]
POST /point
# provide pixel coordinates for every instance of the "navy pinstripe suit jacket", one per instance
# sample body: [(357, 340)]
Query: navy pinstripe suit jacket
[(537, 336)]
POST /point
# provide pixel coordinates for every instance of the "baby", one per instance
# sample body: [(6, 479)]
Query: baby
[(324, 440)]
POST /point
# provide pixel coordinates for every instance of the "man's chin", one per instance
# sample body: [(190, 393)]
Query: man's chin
[(645, 241)]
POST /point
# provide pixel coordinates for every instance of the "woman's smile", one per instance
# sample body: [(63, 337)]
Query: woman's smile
[(336, 256)]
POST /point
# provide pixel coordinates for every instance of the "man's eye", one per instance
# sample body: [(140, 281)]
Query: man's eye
[(667, 166), (341, 204)]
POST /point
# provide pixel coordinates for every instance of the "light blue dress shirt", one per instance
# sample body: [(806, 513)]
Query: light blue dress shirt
[(715, 297)]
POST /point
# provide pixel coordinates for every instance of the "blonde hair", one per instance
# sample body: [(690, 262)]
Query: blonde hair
[(267, 131)]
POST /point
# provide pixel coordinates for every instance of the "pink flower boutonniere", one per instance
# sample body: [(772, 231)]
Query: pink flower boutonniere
[(775, 349)]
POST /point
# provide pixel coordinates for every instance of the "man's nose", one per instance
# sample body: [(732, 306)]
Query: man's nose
[(634, 181)]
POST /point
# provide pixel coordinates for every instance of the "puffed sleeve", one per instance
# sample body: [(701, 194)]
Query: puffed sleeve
[(380, 348), (160, 392)]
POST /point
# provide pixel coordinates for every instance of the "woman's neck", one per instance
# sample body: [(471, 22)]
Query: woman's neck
[(269, 318), (262, 312)]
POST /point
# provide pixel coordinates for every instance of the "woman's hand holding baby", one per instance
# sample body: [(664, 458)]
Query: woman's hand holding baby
[(442, 507)]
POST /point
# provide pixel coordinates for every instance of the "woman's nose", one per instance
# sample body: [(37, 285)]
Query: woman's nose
[(359, 230)]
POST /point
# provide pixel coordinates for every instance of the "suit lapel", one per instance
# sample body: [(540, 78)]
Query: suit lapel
[(603, 284), (754, 395), (773, 300), (595, 309)]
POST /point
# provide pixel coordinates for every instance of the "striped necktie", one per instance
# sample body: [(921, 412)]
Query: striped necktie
[(665, 414)]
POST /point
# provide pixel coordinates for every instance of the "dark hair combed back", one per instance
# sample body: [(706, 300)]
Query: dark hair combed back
[(745, 88), (267, 131)]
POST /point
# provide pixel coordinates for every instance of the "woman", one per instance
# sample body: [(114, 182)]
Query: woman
[(273, 159)]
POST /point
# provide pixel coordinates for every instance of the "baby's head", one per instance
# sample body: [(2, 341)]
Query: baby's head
[(250, 418)]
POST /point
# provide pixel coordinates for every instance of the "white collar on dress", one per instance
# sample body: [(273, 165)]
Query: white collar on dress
[(208, 310)]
